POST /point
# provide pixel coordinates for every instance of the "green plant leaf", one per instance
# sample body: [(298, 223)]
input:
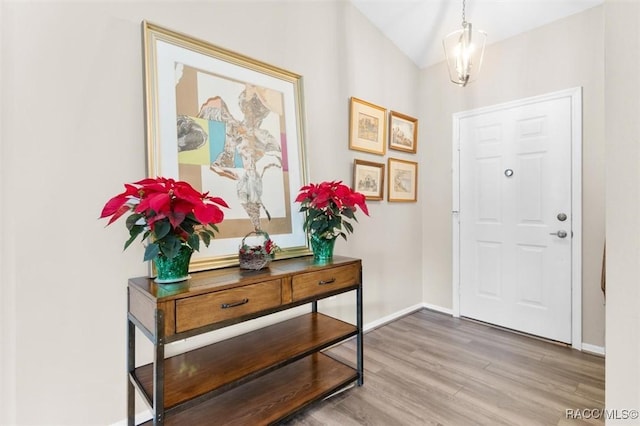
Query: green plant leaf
[(133, 233), (161, 229), (348, 213), (151, 251), (170, 246), (206, 237), (188, 227), (194, 242), (132, 219), (348, 226)]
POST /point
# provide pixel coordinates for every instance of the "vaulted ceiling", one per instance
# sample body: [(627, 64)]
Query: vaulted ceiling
[(418, 26)]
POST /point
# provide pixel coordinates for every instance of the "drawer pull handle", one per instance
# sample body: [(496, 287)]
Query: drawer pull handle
[(233, 304), (331, 281)]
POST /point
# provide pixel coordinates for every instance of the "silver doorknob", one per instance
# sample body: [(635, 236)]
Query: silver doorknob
[(560, 234)]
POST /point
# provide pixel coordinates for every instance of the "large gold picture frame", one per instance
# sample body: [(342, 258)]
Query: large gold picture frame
[(232, 126)]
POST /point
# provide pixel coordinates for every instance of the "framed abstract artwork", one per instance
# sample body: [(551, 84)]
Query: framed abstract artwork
[(403, 180), (367, 127), (368, 179), (231, 126), (403, 132)]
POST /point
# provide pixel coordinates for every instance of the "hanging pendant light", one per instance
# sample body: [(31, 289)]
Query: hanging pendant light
[(464, 50)]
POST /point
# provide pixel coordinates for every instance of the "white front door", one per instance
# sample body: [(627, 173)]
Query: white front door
[(516, 218)]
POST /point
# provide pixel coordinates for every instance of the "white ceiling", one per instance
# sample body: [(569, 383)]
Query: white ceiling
[(417, 27)]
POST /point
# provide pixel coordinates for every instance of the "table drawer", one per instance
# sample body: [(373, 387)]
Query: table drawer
[(198, 311), (315, 283)]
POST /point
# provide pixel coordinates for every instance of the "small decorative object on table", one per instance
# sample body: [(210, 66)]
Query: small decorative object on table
[(172, 217), (328, 205), (258, 255)]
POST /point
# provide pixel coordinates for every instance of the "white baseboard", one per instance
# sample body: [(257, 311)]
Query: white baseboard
[(438, 309), (387, 319), (593, 349), (399, 314)]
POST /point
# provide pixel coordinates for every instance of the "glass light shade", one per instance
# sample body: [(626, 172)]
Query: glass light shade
[(464, 50)]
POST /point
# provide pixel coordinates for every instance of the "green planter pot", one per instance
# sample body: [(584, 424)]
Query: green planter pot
[(173, 270), (322, 248)]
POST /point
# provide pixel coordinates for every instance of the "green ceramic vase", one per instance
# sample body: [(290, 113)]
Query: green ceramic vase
[(173, 270), (322, 248)]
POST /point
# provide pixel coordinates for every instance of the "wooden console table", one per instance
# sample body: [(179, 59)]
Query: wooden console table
[(260, 377)]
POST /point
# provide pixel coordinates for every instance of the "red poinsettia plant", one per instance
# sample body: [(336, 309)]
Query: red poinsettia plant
[(167, 213), (328, 206)]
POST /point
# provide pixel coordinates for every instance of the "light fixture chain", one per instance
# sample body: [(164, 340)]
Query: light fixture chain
[(464, 20)]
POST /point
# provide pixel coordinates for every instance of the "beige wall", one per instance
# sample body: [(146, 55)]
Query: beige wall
[(561, 55), (71, 128), (72, 107), (6, 301), (622, 47)]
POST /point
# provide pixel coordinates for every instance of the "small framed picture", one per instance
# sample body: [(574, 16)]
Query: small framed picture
[(403, 132), (403, 180), (367, 127), (368, 179)]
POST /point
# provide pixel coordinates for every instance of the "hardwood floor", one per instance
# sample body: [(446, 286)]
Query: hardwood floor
[(431, 369)]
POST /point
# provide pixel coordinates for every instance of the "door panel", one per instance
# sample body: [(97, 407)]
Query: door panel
[(513, 272), (488, 199), (530, 265), (489, 268)]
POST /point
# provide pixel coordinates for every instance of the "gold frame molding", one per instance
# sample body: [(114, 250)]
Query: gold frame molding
[(170, 59)]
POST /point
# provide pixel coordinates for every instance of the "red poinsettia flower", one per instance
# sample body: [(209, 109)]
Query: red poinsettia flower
[(327, 205), (168, 214)]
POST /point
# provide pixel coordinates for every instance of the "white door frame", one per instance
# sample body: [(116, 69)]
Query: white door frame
[(575, 95)]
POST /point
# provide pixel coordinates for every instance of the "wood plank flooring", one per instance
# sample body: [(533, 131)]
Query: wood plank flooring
[(431, 369)]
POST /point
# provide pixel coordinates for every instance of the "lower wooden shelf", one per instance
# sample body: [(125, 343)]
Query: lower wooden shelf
[(272, 397), (221, 366)]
